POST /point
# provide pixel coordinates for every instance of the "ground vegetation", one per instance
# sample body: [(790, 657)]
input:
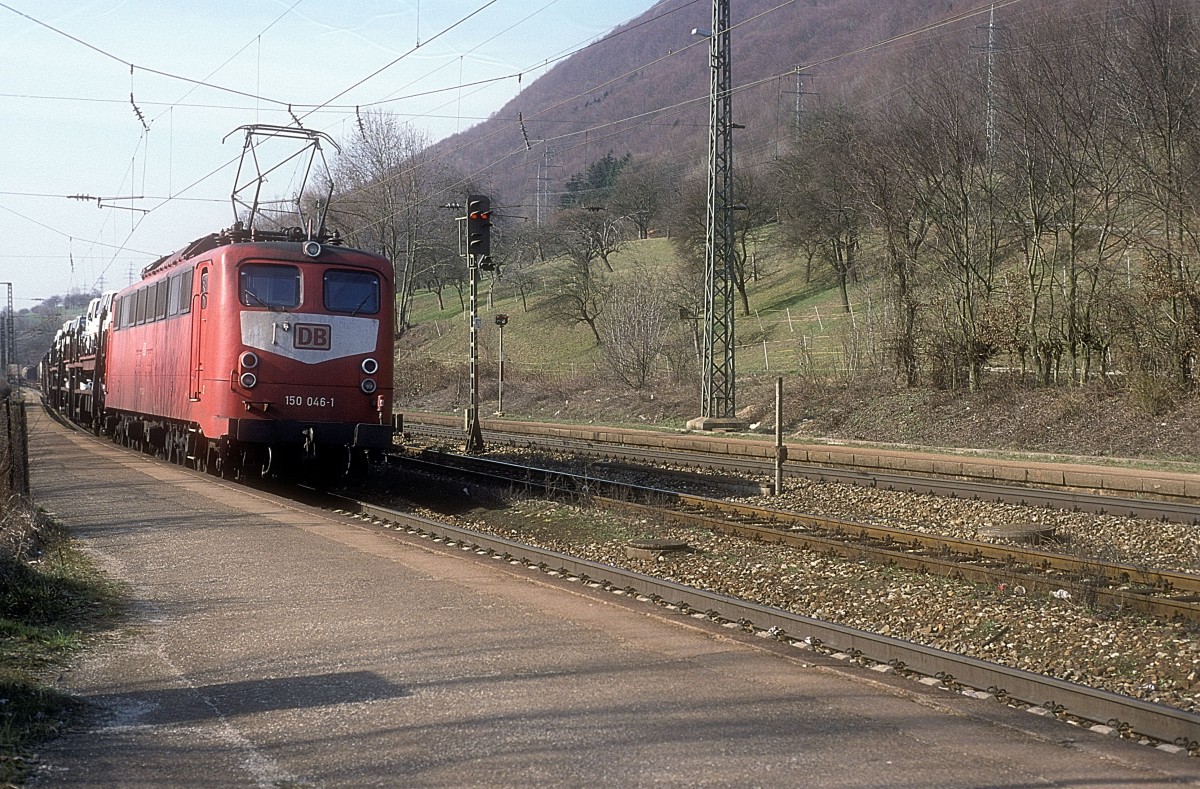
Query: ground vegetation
[(53, 601)]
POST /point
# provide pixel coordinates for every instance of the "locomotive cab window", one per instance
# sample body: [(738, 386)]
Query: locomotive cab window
[(270, 286), (355, 292)]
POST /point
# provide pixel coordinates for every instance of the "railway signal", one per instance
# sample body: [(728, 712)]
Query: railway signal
[(479, 225), (479, 247)]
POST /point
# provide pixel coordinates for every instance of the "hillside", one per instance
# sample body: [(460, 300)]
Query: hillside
[(643, 89), (555, 372)]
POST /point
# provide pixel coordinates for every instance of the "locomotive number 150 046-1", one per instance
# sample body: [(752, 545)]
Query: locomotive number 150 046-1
[(312, 402)]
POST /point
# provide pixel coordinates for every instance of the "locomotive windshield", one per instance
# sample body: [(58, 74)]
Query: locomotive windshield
[(355, 292), (271, 286)]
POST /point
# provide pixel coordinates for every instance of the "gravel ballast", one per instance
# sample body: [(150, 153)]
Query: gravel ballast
[(1123, 652)]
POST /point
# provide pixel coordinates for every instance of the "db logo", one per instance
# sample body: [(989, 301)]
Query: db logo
[(312, 336)]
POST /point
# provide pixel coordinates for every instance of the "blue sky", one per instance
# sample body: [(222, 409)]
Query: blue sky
[(70, 127)]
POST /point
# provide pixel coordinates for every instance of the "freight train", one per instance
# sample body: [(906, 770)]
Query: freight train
[(248, 352)]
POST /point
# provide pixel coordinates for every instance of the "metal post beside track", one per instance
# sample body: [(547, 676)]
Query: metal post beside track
[(780, 449), (474, 434), (501, 321)]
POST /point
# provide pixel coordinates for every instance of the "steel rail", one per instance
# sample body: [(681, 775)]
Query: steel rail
[(1064, 499), (1167, 581), (1055, 696), (1164, 593), (925, 562)]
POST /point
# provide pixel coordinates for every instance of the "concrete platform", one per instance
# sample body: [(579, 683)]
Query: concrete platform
[(272, 646)]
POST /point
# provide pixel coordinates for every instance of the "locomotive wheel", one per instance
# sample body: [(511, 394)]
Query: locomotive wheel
[(341, 462), (223, 465), (212, 461), (359, 467), (193, 447)]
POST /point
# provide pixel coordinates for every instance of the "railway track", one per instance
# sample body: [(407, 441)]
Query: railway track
[(1177, 508), (1161, 593), (1101, 710)]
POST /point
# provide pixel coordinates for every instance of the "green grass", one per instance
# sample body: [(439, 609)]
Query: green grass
[(801, 323), (52, 599)]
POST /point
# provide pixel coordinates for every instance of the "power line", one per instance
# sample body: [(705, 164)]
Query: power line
[(133, 65), (387, 66), (228, 60)]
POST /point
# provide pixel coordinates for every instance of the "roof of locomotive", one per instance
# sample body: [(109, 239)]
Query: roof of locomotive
[(238, 234)]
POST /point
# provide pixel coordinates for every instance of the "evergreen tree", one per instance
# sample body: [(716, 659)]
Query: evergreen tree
[(593, 187)]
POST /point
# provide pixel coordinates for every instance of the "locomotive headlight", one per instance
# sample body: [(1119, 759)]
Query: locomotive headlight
[(249, 360), (312, 249), (368, 386), (249, 380), (370, 366)]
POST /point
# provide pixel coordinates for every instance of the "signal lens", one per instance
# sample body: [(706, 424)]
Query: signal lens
[(249, 380), (368, 386), (370, 366), (249, 360)]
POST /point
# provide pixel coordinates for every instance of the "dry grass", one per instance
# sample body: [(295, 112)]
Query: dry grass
[(51, 600)]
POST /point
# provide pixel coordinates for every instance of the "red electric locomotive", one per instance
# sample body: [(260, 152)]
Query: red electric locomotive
[(248, 351), (252, 352)]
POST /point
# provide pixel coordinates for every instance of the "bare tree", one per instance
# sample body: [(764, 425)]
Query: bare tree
[(389, 193), (639, 195), (888, 185), (635, 329), (585, 236), (579, 293), (962, 188), (440, 266), (521, 249), (818, 177), (578, 238), (1070, 186), (1156, 82)]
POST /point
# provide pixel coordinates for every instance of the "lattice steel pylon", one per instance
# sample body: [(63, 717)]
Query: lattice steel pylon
[(8, 346), (719, 403)]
